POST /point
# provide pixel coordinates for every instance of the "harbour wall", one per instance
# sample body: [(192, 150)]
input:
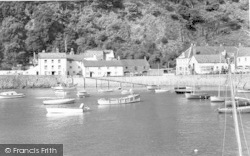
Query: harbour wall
[(40, 81)]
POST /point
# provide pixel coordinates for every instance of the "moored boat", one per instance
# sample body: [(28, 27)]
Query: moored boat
[(11, 95), (81, 109), (217, 99), (242, 109), (161, 90), (130, 91), (243, 90), (59, 101), (123, 100), (152, 87), (197, 95), (239, 101), (183, 91), (65, 87), (82, 93), (105, 90)]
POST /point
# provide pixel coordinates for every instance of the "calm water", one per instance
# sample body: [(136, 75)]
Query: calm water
[(162, 124)]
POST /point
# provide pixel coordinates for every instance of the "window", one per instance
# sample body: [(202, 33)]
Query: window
[(99, 68), (70, 61), (79, 67), (45, 67), (180, 68), (135, 68), (52, 61), (45, 61), (59, 61), (126, 67), (144, 67), (59, 67), (52, 67), (70, 67)]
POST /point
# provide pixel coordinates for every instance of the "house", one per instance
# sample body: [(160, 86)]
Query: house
[(243, 59), (207, 64), (183, 61), (115, 68)]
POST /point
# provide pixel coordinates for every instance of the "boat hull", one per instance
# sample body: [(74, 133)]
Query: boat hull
[(161, 90), (124, 100), (67, 110), (183, 91), (217, 99), (196, 96), (58, 101), (243, 91), (245, 109), (11, 96)]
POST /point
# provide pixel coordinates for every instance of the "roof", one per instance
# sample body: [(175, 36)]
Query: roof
[(76, 57), (244, 51), (210, 58), (116, 63), (206, 50), (51, 55), (91, 53)]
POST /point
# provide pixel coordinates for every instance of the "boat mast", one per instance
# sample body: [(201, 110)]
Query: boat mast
[(235, 117)]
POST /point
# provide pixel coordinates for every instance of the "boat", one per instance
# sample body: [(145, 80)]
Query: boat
[(123, 100), (217, 99), (67, 87), (197, 95), (59, 101), (105, 90), (130, 91), (243, 90), (11, 95), (240, 101), (161, 90), (82, 93), (183, 90), (242, 109), (152, 87), (81, 109)]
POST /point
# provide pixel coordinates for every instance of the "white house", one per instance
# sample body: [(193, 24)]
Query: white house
[(183, 61), (97, 54), (206, 64), (243, 59)]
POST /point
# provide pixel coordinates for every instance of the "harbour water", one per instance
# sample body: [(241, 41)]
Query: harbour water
[(161, 124)]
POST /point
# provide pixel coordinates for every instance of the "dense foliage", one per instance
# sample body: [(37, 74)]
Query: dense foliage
[(156, 29)]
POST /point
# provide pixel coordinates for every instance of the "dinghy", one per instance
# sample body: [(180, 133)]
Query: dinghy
[(58, 101), (82, 93), (242, 109), (197, 95), (161, 90), (123, 100), (81, 109), (11, 95), (217, 99)]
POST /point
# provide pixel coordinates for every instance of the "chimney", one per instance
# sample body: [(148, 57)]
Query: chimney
[(43, 51), (71, 51), (34, 55), (240, 45), (118, 58), (57, 50)]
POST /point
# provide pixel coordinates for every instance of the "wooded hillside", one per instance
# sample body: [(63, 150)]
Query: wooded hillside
[(157, 29)]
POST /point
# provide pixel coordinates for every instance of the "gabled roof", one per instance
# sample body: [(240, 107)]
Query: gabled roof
[(94, 52), (51, 55), (116, 63), (210, 58)]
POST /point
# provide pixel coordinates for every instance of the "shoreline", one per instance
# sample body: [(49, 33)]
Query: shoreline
[(48, 81)]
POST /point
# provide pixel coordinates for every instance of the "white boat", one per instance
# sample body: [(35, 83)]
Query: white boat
[(217, 99), (81, 109), (242, 109), (65, 87), (105, 90), (82, 93), (197, 95), (243, 90), (152, 87), (161, 90), (58, 101), (123, 100), (130, 91), (10, 95)]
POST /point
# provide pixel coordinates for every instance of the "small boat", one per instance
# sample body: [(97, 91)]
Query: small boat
[(197, 95), (243, 90), (65, 87), (242, 109), (81, 109), (239, 101), (10, 95), (217, 99), (130, 91), (105, 90), (152, 87), (183, 91), (161, 90), (82, 93), (58, 101), (123, 100)]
